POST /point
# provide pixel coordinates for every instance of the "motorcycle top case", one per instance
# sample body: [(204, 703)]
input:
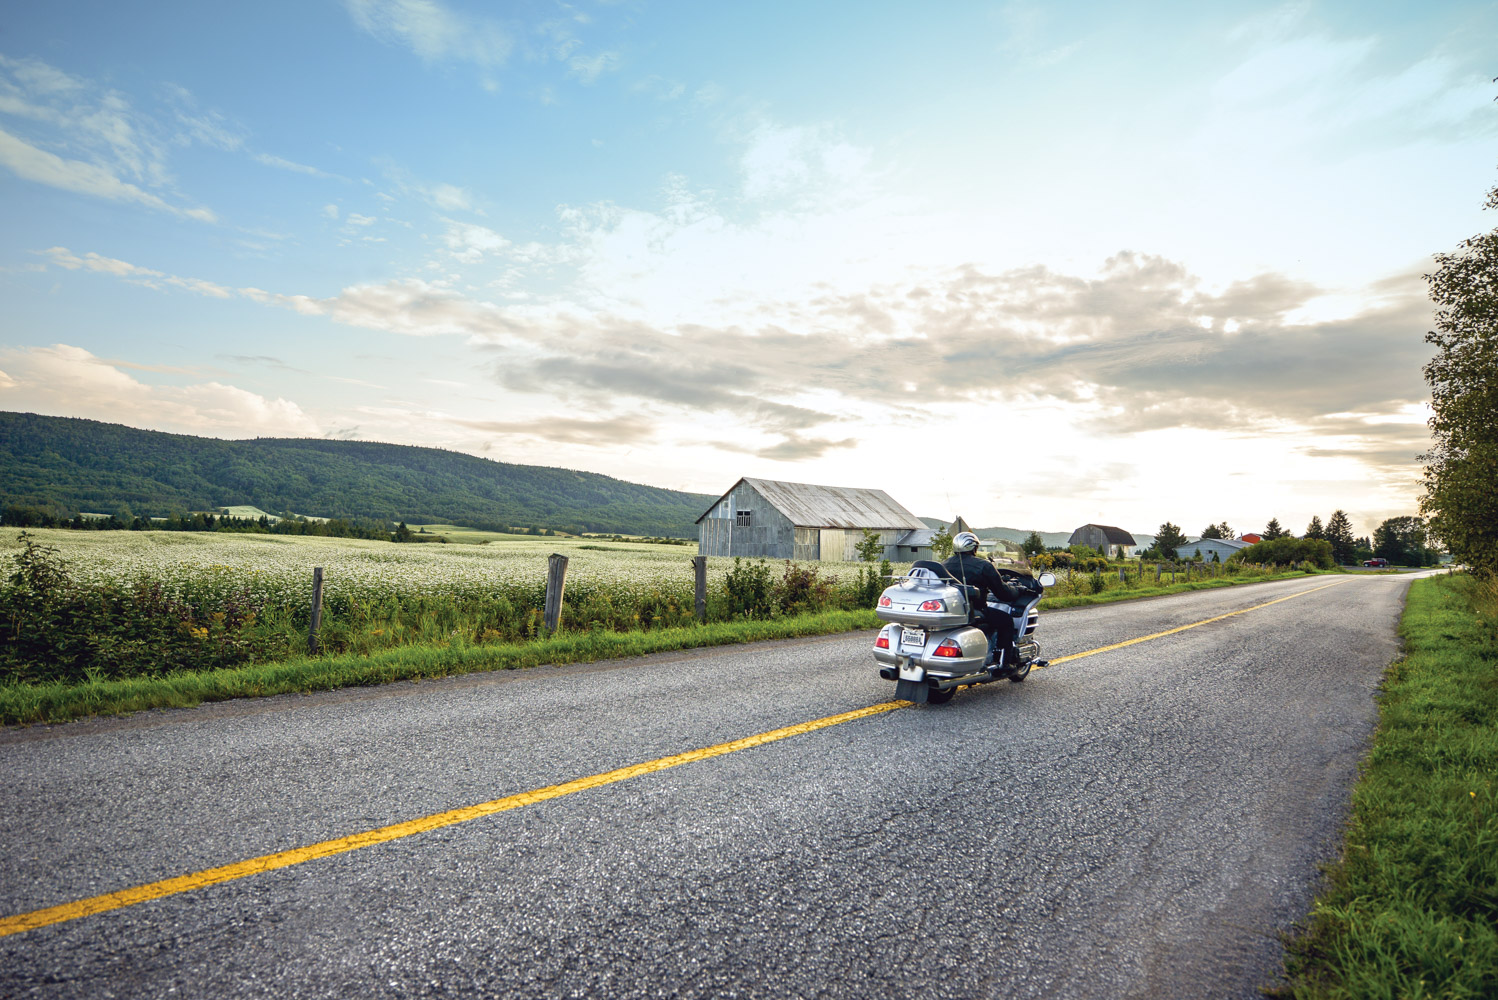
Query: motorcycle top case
[(901, 604)]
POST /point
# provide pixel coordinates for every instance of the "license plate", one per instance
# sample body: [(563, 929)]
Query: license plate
[(913, 638)]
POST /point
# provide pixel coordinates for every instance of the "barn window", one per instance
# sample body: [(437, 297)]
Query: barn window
[(745, 518), (723, 509)]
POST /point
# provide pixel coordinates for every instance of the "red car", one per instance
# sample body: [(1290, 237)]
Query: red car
[(1375, 563)]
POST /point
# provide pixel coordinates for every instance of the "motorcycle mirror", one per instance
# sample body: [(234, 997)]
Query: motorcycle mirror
[(1047, 579)]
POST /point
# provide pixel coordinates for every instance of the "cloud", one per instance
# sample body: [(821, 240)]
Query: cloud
[(1138, 347), (32, 164), (469, 243), (67, 380), (791, 448), (280, 163), (432, 31), (587, 69), (64, 258), (609, 432)]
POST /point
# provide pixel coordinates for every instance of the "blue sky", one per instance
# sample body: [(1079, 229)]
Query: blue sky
[(1037, 264)]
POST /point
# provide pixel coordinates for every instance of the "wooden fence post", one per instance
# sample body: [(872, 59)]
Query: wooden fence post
[(1157, 572), (556, 580), (699, 569), (1123, 575), (315, 625)]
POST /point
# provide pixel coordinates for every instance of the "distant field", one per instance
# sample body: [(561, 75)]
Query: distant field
[(476, 536)]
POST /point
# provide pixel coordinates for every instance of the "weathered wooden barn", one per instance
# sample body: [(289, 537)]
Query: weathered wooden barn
[(775, 520), (1108, 540)]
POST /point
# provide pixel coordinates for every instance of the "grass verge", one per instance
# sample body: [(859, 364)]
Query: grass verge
[(1135, 591), (34, 703), (1411, 909), (24, 704)]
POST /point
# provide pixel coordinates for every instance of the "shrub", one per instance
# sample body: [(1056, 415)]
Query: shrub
[(800, 589), (748, 589), (1287, 552)]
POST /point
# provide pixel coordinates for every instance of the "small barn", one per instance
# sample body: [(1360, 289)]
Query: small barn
[(777, 520), (917, 544), (1223, 547), (1110, 541)]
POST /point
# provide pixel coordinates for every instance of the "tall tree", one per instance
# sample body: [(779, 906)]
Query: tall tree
[(1461, 468), (1169, 537), (1314, 529), (1272, 530), (1401, 540), (1217, 531), (1339, 533)]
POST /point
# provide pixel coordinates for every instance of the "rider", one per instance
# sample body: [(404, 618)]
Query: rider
[(974, 571)]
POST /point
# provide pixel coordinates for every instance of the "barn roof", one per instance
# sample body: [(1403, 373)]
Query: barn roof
[(1228, 543), (1113, 536), (809, 506)]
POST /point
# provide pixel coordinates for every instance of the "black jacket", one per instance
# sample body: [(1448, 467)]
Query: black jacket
[(979, 573)]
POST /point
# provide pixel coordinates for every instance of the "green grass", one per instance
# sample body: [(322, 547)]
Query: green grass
[(1411, 909), (1056, 598), (41, 703)]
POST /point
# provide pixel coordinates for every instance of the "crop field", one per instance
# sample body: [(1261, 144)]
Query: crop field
[(277, 569), (129, 603)]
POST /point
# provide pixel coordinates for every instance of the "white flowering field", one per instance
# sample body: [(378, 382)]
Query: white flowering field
[(276, 570)]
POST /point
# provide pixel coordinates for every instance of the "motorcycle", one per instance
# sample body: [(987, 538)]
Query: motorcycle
[(930, 646)]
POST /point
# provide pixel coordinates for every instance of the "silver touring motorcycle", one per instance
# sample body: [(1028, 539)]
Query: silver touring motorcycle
[(930, 646)]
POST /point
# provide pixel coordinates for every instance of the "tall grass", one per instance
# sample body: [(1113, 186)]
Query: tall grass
[(1411, 909)]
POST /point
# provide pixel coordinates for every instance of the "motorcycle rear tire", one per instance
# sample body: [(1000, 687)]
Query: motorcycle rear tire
[(1021, 673), (939, 697)]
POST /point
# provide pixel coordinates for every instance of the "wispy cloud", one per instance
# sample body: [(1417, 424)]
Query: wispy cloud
[(606, 433), (433, 31), (32, 164)]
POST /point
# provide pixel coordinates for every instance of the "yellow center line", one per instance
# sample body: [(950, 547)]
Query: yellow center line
[(254, 866), (269, 862)]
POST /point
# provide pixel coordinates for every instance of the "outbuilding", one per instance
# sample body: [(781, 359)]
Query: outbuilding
[(1110, 541), (766, 518), (1223, 547)]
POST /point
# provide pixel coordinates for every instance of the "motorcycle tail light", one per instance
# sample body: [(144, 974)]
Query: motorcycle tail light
[(949, 648), (885, 602), (933, 606), (882, 642)]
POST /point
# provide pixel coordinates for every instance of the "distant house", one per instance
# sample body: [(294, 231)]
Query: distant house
[(1224, 547), (917, 544), (1110, 541), (1251, 539), (777, 520)]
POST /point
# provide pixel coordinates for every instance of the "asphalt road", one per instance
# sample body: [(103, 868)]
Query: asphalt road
[(1142, 822)]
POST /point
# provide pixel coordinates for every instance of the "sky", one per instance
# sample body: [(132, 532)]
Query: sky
[(1036, 264)]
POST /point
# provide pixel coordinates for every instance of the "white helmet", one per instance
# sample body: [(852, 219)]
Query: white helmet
[(965, 541)]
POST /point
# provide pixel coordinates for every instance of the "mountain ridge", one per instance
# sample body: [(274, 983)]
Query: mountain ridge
[(72, 464)]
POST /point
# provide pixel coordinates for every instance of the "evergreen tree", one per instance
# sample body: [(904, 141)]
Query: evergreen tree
[(1033, 545), (1273, 530), (1168, 538), (1339, 533), (1314, 529), (1461, 469)]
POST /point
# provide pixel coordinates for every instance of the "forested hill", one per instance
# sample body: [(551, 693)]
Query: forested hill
[(76, 465)]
